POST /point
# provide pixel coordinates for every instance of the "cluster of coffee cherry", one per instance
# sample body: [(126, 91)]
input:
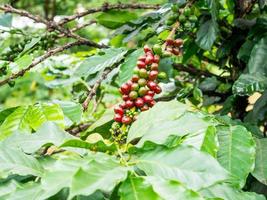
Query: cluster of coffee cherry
[(138, 93), (174, 46)]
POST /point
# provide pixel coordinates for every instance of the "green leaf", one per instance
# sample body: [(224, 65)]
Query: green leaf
[(26, 117), (71, 110), (24, 61), (168, 120), (260, 171), (30, 45), (247, 84), (6, 20), (187, 165), (5, 113), (172, 190), (207, 34), (101, 175), (98, 63), (136, 188), (236, 152), (14, 161), (226, 192), (257, 62), (7, 188), (126, 69), (115, 18)]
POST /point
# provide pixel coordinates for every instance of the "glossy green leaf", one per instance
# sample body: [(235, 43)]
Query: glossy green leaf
[(257, 62), (207, 34), (184, 164), (136, 188), (224, 191), (98, 63), (236, 152), (247, 84), (172, 190), (24, 61), (115, 18), (260, 171), (126, 69)]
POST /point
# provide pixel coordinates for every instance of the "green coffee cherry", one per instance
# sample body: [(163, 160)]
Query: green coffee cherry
[(157, 49), (162, 75), (182, 18)]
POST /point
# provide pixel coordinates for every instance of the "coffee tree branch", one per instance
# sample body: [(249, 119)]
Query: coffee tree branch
[(41, 59), (106, 7)]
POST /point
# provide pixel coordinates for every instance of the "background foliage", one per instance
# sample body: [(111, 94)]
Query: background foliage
[(59, 80)]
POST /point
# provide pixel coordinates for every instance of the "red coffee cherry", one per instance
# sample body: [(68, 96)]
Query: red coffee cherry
[(156, 59), (118, 118), (148, 99), (155, 66), (152, 85), (139, 102), (144, 108), (147, 49), (119, 110), (129, 104), (123, 105), (142, 58), (178, 42), (126, 120), (125, 88), (149, 59), (170, 42), (151, 93), (141, 64), (157, 90), (135, 78), (125, 97), (153, 75), (152, 103)]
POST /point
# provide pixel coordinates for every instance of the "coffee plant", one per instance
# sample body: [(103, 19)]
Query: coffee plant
[(133, 100)]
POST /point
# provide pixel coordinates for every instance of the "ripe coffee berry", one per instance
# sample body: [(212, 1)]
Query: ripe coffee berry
[(157, 90), (142, 58), (139, 102), (126, 120), (125, 97), (151, 93), (148, 99), (135, 78), (154, 66), (144, 108), (125, 88), (156, 59), (147, 49), (129, 104), (149, 60), (152, 103), (141, 64), (133, 95), (119, 110), (142, 82), (118, 118), (152, 85), (153, 75), (123, 105)]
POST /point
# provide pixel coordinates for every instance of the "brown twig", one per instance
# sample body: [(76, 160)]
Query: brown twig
[(95, 87), (41, 59), (79, 128), (106, 7)]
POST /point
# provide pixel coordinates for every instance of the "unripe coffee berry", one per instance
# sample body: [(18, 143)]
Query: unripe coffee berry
[(143, 73), (135, 86), (133, 95), (135, 78), (142, 82), (142, 91), (154, 66)]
